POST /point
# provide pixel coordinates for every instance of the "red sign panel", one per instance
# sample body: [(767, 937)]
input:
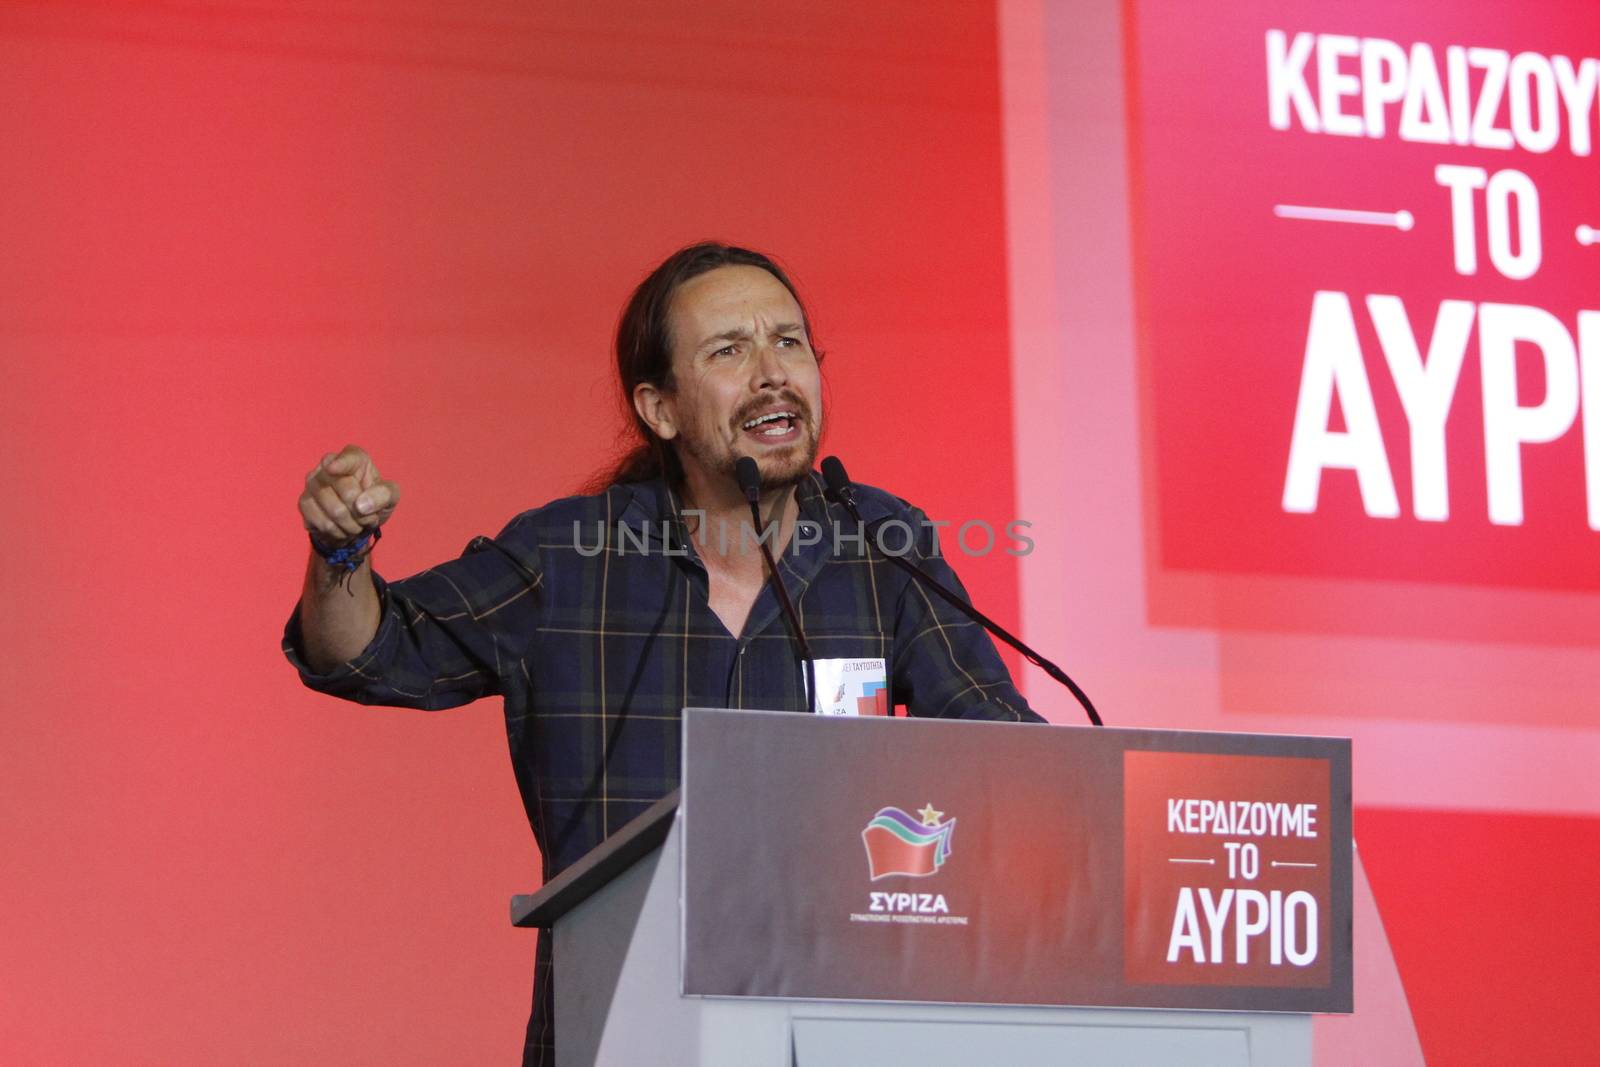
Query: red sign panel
[(1367, 244), (1227, 869)]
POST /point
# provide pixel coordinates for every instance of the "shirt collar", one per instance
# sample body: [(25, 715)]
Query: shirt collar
[(655, 510)]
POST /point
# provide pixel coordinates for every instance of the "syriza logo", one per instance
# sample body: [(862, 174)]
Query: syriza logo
[(902, 845)]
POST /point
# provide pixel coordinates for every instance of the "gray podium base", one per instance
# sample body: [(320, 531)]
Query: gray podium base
[(617, 1003)]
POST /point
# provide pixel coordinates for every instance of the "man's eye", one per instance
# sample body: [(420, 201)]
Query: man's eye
[(790, 342), (725, 350)]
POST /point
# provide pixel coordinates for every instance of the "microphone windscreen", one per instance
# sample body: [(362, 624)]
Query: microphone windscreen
[(833, 473), (749, 476)]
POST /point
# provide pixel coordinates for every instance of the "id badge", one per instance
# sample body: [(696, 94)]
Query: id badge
[(851, 687)]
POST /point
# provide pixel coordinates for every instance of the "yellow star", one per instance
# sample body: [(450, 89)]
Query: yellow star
[(929, 816)]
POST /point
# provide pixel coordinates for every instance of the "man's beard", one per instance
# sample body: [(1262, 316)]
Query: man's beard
[(777, 472)]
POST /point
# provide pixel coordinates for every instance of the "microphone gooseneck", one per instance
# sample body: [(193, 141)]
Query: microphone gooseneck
[(749, 475), (841, 491)]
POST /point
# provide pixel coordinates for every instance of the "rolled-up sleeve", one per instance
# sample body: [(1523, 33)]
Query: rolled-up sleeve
[(446, 636)]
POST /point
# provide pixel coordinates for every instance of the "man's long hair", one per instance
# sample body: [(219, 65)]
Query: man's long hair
[(644, 354)]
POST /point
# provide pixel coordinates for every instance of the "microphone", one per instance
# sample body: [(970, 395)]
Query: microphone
[(749, 475), (840, 490)]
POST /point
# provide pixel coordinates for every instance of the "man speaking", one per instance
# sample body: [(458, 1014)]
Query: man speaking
[(598, 618)]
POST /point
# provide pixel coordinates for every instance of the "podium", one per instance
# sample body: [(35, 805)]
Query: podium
[(1062, 895)]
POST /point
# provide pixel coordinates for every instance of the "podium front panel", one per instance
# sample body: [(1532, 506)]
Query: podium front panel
[(1003, 863)]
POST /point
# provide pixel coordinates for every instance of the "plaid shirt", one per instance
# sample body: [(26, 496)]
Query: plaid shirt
[(591, 617)]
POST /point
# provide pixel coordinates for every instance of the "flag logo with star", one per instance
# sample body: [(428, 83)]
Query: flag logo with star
[(898, 843)]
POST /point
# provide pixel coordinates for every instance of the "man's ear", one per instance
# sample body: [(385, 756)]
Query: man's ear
[(656, 409)]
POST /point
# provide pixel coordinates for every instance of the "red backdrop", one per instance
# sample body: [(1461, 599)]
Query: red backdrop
[(240, 235)]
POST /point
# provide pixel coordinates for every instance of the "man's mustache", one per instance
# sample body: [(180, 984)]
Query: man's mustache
[(788, 400)]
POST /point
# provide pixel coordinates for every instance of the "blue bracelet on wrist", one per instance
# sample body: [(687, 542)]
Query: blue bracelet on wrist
[(347, 557)]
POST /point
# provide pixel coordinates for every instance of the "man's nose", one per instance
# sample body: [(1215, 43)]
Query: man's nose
[(769, 368)]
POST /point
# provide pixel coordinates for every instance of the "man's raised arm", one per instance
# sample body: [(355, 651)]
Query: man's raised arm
[(344, 501)]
